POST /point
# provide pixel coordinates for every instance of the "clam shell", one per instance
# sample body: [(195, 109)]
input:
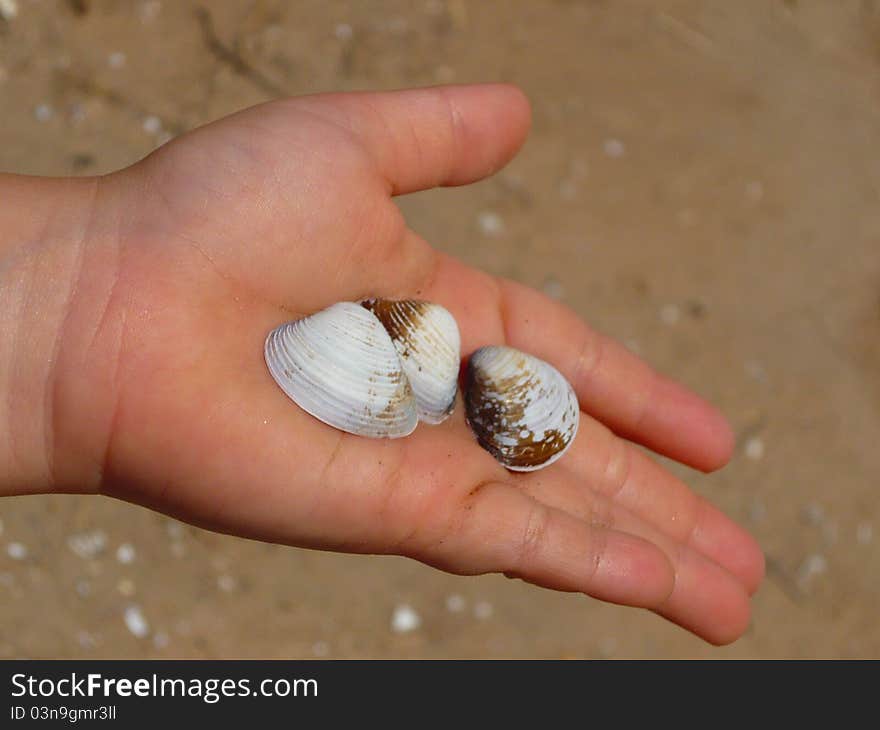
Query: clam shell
[(427, 339), (340, 366), (521, 409)]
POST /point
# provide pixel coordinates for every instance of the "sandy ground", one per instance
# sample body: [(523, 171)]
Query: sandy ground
[(702, 182)]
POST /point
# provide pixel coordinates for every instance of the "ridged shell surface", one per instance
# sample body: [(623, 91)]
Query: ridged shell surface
[(521, 409), (427, 339), (341, 366)]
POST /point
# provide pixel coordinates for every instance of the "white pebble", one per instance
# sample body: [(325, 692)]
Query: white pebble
[(85, 640), (813, 565), (116, 59), (343, 31), (87, 545), (405, 619), (125, 553), (755, 370), (754, 448), (43, 113), (455, 603), (633, 346), (126, 587), (490, 223), (614, 148), (483, 610), (16, 551), (670, 314), (135, 621), (864, 533), (149, 10), (320, 648), (813, 513), (553, 288), (226, 583), (174, 530), (8, 9), (161, 639), (152, 124), (607, 646), (757, 511)]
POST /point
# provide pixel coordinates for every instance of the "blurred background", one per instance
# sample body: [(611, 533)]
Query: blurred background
[(702, 182)]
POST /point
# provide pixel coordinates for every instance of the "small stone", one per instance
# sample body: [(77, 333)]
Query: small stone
[(483, 610), (755, 370), (43, 113), (116, 59), (813, 565), (614, 148), (864, 533), (135, 621), (813, 514), (161, 639), (607, 646), (83, 588), (490, 223), (16, 551), (757, 511), (455, 603), (754, 449), (125, 553), (152, 124), (149, 10), (320, 649), (553, 288), (568, 190), (126, 587), (8, 9), (405, 619), (88, 545), (670, 314), (343, 32), (226, 583), (444, 74), (85, 640)]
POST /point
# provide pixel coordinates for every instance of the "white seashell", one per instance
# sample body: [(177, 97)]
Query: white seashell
[(340, 366), (427, 339), (521, 409)]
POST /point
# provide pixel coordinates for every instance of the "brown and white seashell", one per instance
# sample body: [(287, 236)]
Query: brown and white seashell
[(521, 409), (429, 345), (341, 366)]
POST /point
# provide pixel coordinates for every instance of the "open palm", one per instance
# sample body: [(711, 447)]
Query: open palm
[(284, 209)]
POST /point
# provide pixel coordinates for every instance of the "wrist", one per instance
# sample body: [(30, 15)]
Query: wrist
[(53, 234)]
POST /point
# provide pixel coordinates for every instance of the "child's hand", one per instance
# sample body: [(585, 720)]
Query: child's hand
[(134, 310)]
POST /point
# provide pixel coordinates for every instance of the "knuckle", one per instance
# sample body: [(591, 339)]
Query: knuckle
[(532, 538)]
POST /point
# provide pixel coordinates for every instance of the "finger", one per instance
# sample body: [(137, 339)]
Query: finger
[(445, 135), (707, 599), (616, 469), (612, 384), (498, 528)]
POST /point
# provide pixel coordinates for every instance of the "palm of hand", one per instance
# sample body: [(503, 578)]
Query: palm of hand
[(284, 209)]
